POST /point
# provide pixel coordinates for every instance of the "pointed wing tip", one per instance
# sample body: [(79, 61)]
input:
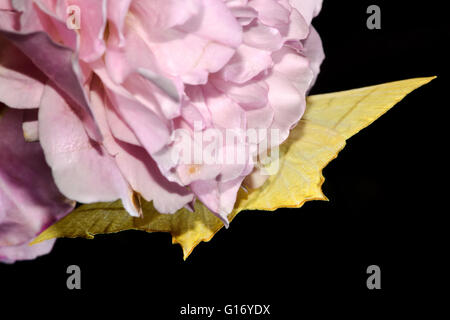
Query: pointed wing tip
[(423, 80), (414, 83), (420, 80), (431, 78), (186, 250)]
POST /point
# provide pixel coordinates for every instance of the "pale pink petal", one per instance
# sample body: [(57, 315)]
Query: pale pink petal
[(308, 8), (196, 97), (137, 116), (140, 119), (246, 64), (18, 74), (224, 112), (11, 254), (217, 196), (82, 169), (62, 69), (144, 176), (136, 165), (191, 114), (207, 191), (244, 14), (260, 36), (288, 83), (117, 12), (200, 46), (122, 60), (251, 95), (313, 50), (298, 28), (191, 57), (216, 24), (119, 128), (272, 13), (261, 118), (162, 99), (165, 14)]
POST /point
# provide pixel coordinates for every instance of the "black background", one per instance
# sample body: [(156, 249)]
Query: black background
[(387, 192)]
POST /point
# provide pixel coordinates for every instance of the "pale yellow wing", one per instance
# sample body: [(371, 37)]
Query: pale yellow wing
[(330, 119)]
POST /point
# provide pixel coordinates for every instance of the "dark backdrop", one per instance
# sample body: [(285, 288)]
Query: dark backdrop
[(386, 207)]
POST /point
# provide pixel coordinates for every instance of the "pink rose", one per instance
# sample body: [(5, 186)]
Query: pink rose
[(122, 98)]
